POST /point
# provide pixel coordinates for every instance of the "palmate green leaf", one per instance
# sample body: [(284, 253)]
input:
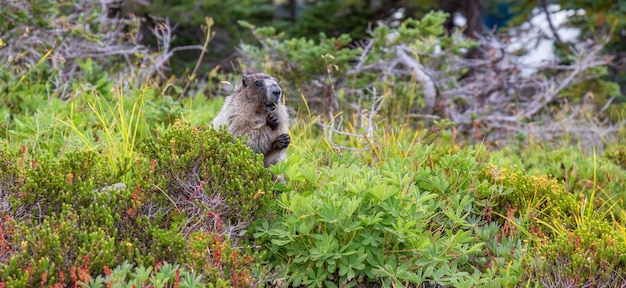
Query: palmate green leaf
[(97, 282), (394, 176), (457, 216), (383, 192), (371, 238), (296, 277), (361, 181), (301, 256), (315, 278), (306, 225), (121, 271), (297, 204), (476, 248), (405, 230), (405, 274), (326, 247), (346, 270), (142, 273), (348, 264), (348, 206), (432, 183), (190, 280), (386, 271), (330, 212), (261, 229), (280, 242), (331, 265), (371, 219)]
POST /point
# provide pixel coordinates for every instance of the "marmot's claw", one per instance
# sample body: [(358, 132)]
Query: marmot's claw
[(281, 142), (272, 121)]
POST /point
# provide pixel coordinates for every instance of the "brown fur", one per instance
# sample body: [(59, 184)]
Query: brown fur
[(249, 112)]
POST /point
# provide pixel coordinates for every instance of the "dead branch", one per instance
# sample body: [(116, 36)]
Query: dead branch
[(366, 125), (106, 39), (496, 95)]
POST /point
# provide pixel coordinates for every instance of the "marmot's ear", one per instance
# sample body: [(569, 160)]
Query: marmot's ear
[(244, 80)]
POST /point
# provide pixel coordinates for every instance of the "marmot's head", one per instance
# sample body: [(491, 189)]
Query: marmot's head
[(263, 89)]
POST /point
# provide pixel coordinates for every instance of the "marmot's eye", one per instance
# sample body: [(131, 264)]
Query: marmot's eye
[(258, 83)]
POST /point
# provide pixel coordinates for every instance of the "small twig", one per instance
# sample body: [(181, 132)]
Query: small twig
[(209, 36), (544, 5), (366, 50)]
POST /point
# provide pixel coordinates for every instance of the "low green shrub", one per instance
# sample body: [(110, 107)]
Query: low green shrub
[(577, 171), (208, 169), (538, 196), (214, 262), (69, 217), (60, 219), (220, 262), (405, 221), (573, 236), (590, 254)]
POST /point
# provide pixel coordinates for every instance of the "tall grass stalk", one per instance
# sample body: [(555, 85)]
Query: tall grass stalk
[(121, 127)]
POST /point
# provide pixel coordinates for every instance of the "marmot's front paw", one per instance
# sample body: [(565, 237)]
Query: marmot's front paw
[(272, 121), (281, 142)]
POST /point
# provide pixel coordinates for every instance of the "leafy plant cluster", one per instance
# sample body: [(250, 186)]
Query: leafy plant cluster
[(161, 275), (420, 215), (575, 173), (410, 220)]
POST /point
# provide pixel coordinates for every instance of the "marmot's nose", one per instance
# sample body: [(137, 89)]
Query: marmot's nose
[(276, 92)]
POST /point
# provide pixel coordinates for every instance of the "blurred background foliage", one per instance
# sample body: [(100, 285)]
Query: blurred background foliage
[(302, 18)]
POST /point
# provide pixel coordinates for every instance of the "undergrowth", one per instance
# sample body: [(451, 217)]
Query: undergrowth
[(67, 218), (127, 187)]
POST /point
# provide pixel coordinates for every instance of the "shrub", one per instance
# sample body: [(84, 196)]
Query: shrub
[(69, 217), (61, 220), (223, 264), (571, 233), (541, 196), (162, 275), (589, 254), (405, 220), (215, 263), (202, 169), (581, 174)]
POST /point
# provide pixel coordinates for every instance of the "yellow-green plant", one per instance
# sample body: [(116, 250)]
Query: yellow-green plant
[(120, 125)]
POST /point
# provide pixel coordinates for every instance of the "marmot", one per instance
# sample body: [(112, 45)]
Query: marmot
[(255, 110)]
